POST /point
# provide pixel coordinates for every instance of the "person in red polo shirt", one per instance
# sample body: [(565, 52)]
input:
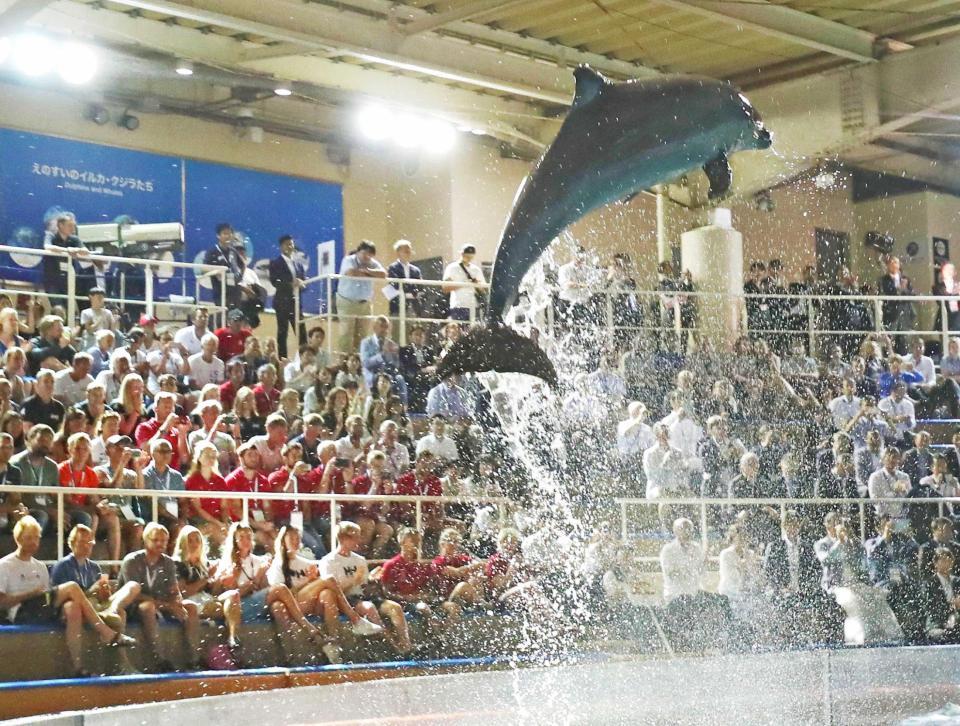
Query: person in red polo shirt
[(76, 472), (210, 516), (374, 531), (236, 379), (265, 393), (248, 478), (459, 573), (233, 337), (166, 424), (421, 481), (413, 582), (294, 477)]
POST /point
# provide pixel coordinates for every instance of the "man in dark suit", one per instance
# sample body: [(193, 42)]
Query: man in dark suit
[(418, 365), (897, 316), (223, 254), (942, 599), (287, 276), (403, 269)]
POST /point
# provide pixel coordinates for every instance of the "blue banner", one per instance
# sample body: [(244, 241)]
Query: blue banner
[(43, 175)]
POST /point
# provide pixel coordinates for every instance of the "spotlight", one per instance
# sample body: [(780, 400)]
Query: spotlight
[(77, 64), (128, 121), (33, 55), (375, 123), (439, 136), (184, 68), (98, 114), (4, 50), (408, 131), (282, 91)]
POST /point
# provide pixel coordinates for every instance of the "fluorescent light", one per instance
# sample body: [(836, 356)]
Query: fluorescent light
[(282, 91), (375, 123), (77, 64), (184, 68), (4, 49), (439, 136), (408, 131), (33, 55)]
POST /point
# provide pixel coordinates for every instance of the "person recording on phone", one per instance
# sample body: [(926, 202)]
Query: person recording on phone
[(166, 424)]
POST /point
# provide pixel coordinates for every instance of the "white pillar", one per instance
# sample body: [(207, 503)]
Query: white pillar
[(714, 254)]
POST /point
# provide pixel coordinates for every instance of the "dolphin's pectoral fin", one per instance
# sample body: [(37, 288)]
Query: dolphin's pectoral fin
[(589, 84), (720, 174)]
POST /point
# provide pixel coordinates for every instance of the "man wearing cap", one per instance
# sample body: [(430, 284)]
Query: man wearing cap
[(205, 366), (166, 424), (232, 338), (464, 277), (115, 474), (287, 276), (402, 269), (138, 356), (354, 293), (224, 254), (151, 341)]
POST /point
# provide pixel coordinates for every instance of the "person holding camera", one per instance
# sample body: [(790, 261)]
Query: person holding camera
[(115, 474), (166, 424)]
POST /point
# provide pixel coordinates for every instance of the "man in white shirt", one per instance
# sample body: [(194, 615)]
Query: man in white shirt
[(664, 466), (922, 364), (633, 435), (205, 366), (889, 482), (467, 282), (845, 407), (578, 281), (682, 562), (111, 378), (798, 364), (868, 459), (70, 384), (685, 433), (188, 338), (899, 410), (437, 442), (355, 293)]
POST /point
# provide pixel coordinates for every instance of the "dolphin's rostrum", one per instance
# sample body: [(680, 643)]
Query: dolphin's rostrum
[(618, 138)]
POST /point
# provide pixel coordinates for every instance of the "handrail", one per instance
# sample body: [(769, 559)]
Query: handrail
[(94, 257)]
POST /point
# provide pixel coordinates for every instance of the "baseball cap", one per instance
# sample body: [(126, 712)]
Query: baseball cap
[(119, 440), (148, 320), (235, 315), (468, 250)]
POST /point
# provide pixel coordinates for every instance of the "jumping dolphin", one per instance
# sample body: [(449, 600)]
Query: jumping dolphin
[(618, 139)]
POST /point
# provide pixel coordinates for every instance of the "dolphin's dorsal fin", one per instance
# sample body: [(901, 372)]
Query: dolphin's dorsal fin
[(589, 84)]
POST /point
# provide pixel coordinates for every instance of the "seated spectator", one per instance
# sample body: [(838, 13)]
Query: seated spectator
[(236, 371), (437, 442), (449, 400), (188, 339), (665, 467), (379, 353), (895, 374), (209, 515), (196, 581), (205, 367), (953, 455), (94, 404), (248, 423), (374, 532), (158, 475), (233, 337), (315, 398), (270, 445), (310, 438), (352, 371), (356, 443), (868, 459), (376, 407), (300, 374), (314, 594), (941, 483), (166, 424), (115, 474), (397, 455), (685, 433), (413, 583), (889, 482), (130, 405), (892, 563), (421, 481), (844, 408), (50, 349), (350, 571), (113, 376), (805, 613), (28, 597), (920, 363), (335, 412), (241, 570), (212, 429), (10, 331), (253, 358), (868, 418), (136, 349), (38, 469), (165, 360), (73, 422), (942, 535), (798, 366), (265, 393), (418, 368), (460, 573), (70, 384), (841, 483), (14, 370), (950, 362), (918, 461), (294, 477), (693, 617), (942, 599), (720, 455), (42, 407), (741, 578), (634, 437), (869, 618), (156, 574)]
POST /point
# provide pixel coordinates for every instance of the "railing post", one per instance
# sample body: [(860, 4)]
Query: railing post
[(944, 327), (71, 296), (623, 522), (811, 335), (333, 521), (330, 319), (245, 510), (148, 289), (703, 526), (877, 315), (60, 518), (609, 301), (402, 333), (863, 522), (419, 520), (155, 508)]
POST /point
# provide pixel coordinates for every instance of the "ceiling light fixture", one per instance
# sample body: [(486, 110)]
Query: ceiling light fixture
[(77, 64), (184, 68), (282, 91), (33, 55)]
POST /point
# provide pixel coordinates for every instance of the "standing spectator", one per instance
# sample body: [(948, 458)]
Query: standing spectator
[(355, 292), (757, 306), (918, 461), (224, 254), (578, 280), (188, 338), (232, 338), (156, 574), (868, 458), (634, 437), (70, 384), (892, 562), (402, 269), (55, 266), (721, 455), (27, 597), (466, 286), (205, 366), (42, 407), (287, 276), (94, 318), (253, 295), (947, 285), (898, 316), (418, 368), (942, 601)]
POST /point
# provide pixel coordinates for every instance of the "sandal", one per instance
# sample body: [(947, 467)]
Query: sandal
[(121, 641)]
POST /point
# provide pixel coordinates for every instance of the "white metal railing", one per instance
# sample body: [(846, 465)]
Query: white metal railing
[(782, 504), (666, 310), (200, 272), (155, 495)]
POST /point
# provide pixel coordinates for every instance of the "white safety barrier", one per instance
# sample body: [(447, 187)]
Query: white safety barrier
[(155, 495)]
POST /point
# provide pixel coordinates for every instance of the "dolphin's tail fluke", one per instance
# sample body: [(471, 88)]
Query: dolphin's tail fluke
[(496, 347)]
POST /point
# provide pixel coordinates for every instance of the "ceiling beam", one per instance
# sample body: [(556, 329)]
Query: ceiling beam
[(19, 12), (794, 26), (465, 11)]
